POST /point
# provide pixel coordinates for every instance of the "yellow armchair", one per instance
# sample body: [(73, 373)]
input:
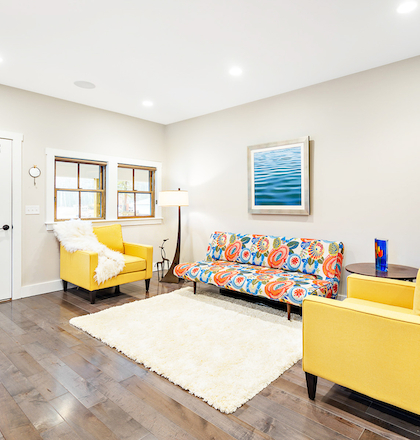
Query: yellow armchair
[(79, 267), (369, 342)]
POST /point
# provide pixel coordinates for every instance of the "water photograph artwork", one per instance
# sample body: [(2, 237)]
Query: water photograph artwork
[(278, 181), (278, 176)]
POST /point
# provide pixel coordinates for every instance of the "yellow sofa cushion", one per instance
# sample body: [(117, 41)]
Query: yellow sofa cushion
[(110, 236), (416, 302), (376, 305), (133, 264)]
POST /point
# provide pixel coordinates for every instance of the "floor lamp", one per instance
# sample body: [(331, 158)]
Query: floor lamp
[(174, 198)]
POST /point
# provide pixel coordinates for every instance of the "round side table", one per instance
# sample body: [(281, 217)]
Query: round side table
[(395, 271)]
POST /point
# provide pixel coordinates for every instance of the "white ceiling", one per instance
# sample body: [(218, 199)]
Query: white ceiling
[(177, 53)]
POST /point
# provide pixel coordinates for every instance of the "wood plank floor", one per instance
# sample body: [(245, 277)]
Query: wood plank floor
[(57, 383)]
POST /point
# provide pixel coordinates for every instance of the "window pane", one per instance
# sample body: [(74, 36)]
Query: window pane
[(89, 176), (143, 205), (65, 175), (125, 179), (141, 180), (67, 205), (91, 205), (125, 205)]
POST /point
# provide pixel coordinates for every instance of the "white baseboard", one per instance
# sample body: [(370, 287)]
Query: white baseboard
[(38, 289), (47, 287)]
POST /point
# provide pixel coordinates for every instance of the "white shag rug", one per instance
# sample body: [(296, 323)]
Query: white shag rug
[(78, 235), (220, 349)]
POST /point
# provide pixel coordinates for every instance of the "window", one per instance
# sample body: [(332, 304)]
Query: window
[(79, 189), (136, 191), (74, 190)]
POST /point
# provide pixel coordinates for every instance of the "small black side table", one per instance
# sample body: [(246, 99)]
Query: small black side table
[(395, 271)]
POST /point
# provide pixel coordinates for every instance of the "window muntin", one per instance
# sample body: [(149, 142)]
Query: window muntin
[(136, 191), (79, 189)]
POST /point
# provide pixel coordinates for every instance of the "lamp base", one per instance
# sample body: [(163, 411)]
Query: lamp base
[(170, 278)]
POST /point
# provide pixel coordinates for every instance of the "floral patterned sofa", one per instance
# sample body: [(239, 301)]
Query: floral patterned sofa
[(279, 268)]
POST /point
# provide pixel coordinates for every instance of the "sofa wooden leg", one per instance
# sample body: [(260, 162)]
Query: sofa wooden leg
[(65, 286), (147, 285), (93, 296), (289, 309), (311, 381), (117, 290), (195, 287)]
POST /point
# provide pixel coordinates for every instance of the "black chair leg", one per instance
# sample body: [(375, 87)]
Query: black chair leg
[(147, 285), (93, 296), (65, 286), (311, 381), (117, 290)]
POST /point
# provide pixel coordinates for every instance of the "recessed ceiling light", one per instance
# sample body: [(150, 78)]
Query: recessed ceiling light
[(407, 7), (235, 71), (84, 84), (147, 103)]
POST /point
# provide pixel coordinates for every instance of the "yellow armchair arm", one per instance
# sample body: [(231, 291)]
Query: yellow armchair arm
[(372, 351), (381, 290), (142, 251), (78, 267)]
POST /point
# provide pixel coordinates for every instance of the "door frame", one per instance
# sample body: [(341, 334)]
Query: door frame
[(17, 140)]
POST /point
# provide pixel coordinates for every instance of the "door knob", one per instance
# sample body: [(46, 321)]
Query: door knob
[(6, 227)]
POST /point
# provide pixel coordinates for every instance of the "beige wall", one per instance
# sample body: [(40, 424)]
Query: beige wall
[(53, 123), (365, 156)]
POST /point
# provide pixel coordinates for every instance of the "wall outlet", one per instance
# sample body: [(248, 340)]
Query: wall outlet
[(31, 209)]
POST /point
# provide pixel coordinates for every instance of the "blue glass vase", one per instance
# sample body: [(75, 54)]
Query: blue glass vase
[(381, 255)]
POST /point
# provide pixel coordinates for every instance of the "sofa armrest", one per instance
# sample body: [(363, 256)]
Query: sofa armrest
[(142, 251), (381, 290), (78, 267), (367, 349)]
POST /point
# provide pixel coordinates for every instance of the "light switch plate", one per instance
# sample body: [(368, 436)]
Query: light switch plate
[(31, 209)]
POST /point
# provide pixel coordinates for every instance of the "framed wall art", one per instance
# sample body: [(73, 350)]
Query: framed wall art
[(278, 177)]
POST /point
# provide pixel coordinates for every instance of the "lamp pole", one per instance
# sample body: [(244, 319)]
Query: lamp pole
[(170, 277)]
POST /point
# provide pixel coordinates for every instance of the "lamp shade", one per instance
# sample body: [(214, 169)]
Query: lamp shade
[(173, 198)]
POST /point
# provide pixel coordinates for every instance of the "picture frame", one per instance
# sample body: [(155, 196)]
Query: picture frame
[(278, 177)]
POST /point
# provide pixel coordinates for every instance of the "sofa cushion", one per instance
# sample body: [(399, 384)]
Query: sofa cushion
[(228, 246), (133, 264), (110, 236), (321, 258), (276, 284), (375, 305), (268, 251)]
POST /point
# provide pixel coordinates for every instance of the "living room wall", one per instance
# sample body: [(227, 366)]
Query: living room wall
[(365, 155), (47, 122)]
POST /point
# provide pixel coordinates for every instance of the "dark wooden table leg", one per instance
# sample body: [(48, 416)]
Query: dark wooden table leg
[(311, 381)]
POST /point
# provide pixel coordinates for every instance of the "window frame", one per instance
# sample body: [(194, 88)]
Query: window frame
[(78, 189), (152, 172)]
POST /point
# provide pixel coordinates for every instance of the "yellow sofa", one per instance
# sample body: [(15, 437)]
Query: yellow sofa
[(370, 342), (79, 267)]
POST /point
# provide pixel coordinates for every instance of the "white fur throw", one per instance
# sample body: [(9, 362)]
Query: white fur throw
[(78, 235)]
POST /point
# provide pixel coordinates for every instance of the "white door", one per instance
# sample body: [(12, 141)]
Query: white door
[(5, 219)]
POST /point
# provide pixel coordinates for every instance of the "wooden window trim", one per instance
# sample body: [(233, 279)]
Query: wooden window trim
[(151, 192), (101, 190)]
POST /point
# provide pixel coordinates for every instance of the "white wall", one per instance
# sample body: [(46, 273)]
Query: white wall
[(365, 156), (53, 123)]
